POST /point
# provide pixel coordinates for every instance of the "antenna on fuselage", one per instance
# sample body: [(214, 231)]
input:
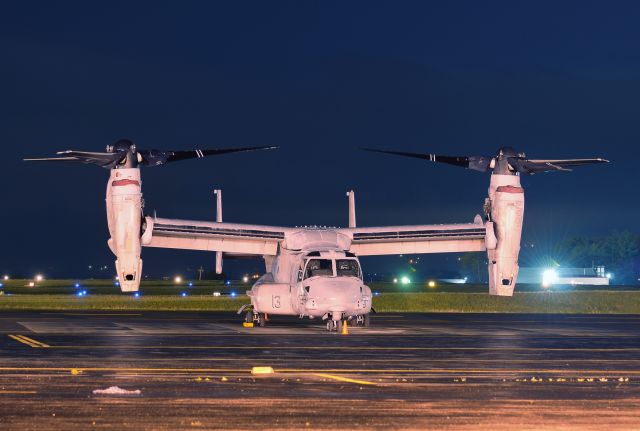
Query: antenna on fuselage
[(218, 194), (352, 208)]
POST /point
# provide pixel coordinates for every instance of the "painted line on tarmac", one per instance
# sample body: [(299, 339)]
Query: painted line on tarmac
[(17, 392), (180, 371), (28, 341), (378, 348), (344, 379)]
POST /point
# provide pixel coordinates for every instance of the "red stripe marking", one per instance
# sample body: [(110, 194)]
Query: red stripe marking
[(510, 189), (119, 183)]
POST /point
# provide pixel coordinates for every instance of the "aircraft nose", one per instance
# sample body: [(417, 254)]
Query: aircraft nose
[(335, 294)]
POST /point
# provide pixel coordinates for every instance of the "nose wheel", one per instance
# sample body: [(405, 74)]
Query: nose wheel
[(334, 325)]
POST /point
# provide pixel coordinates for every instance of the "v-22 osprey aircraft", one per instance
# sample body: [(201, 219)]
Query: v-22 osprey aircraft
[(314, 272)]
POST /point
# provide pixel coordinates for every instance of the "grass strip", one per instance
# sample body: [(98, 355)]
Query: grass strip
[(589, 302)]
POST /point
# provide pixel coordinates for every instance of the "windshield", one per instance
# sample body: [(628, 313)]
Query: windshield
[(317, 267), (347, 268)]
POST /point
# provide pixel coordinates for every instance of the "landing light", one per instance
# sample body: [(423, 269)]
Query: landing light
[(549, 277), (395, 280)]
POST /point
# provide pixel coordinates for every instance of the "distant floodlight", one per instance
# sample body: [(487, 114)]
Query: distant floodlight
[(549, 277), (405, 280), (5, 278), (431, 283), (177, 279), (39, 277), (395, 280), (245, 279), (31, 284)]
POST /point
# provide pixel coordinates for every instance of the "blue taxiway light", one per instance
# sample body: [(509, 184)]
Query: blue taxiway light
[(77, 284), (228, 282), (136, 295), (233, 294), (190, 284), (183, 294)]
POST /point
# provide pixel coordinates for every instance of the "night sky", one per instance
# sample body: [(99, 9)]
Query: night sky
[(319, 79)]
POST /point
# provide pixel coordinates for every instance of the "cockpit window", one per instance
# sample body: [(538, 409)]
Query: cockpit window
[(347, 268), (317, 267)]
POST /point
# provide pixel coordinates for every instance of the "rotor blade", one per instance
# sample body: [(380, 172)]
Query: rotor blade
[(536, 166), (160, 157), (476, 163), (105, 160)]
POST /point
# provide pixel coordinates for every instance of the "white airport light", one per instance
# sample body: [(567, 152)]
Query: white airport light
[(405, 280), (549, 277), (5, 278), (177, 279), (31, 284), (216, 293), (39, 277), (395, 280), (609, 275), (245, 279), (432, 283)]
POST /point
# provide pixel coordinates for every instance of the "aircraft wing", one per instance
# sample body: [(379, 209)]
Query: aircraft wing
[(233, 238), (418, 239)]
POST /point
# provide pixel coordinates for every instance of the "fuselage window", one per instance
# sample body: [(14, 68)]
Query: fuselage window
[(347, 268), (316, 267)]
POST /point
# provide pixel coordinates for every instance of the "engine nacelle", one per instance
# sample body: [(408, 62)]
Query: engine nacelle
[(124, 217), (506, 210)]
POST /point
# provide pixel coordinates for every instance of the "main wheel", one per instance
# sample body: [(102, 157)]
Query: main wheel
[(367, 320), (261, 319), (339, 326)]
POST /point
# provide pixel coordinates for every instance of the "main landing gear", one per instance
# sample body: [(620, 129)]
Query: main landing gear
[(361, 320), (259, 319)]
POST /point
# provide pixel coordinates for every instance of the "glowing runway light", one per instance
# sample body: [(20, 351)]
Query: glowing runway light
[(549, 277)]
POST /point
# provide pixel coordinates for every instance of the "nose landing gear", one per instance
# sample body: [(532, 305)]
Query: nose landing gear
[(363, 320)]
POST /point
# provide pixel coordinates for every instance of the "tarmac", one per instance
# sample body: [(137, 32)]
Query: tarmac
[(407, 371)]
